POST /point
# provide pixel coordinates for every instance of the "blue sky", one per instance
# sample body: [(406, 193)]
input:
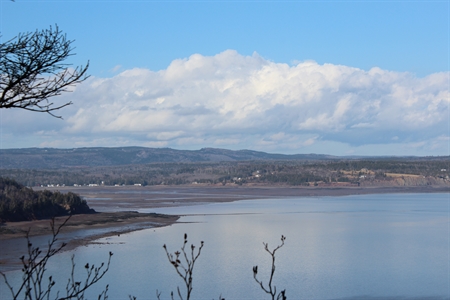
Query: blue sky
[(334, 77)]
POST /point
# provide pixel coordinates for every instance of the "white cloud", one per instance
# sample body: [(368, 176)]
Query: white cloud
[(236, 101)]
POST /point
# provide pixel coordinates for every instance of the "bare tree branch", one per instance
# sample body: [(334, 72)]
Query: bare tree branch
[(271, 289), (34, 267), (33, 69), (185, 270)]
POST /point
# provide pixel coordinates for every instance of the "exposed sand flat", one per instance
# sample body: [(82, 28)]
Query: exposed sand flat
[(135, 197), (117, 204), (120, 220), (79, 230)]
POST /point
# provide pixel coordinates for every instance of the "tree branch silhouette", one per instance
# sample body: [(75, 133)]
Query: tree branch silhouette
[(271, 289), (33, 69)]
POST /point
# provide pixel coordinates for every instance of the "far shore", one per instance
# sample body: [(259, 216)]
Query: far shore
[(117, 208), (126, 198)]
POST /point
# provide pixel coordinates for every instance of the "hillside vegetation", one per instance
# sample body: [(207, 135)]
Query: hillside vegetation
[(344, 172), (51, 158), (19, 203)]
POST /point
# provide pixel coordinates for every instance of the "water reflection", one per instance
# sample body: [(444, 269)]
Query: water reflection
[(354, 247)]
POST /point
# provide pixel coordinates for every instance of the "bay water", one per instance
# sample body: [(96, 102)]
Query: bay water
[(384, 246)]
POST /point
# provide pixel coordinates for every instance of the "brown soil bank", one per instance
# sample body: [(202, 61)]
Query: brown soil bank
[(78, 231), (119, 220)]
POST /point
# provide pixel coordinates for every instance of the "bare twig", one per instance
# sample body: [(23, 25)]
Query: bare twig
[(271, 289), (184, 270), (33, 69), (34, 267), (76, 289)]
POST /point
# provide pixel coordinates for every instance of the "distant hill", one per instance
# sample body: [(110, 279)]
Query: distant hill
[(149, 166), (51, 158)]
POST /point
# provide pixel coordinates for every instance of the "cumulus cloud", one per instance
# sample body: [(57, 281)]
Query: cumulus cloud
[(236, 101)]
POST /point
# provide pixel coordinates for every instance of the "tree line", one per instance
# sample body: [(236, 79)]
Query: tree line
[(264, 172), (19, 203)]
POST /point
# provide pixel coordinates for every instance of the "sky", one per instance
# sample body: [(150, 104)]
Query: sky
[(325, 77)]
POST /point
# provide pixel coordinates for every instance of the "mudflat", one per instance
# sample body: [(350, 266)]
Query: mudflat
[(79, 230), (117, 206), (119, 220), (120, 198), (117, 210)]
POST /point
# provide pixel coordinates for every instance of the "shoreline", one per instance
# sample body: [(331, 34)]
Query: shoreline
[(80, 230), (118, 208), (95, 221), (124, 198)]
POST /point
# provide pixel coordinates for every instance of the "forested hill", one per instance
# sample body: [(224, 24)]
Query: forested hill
[(51, 158), (19, 203)]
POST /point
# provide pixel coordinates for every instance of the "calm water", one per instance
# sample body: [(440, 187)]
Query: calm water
[(353, 247)]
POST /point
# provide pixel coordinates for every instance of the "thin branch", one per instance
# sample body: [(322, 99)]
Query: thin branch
[(33, 69), (185, 271), (271, 289), (34, 268)]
